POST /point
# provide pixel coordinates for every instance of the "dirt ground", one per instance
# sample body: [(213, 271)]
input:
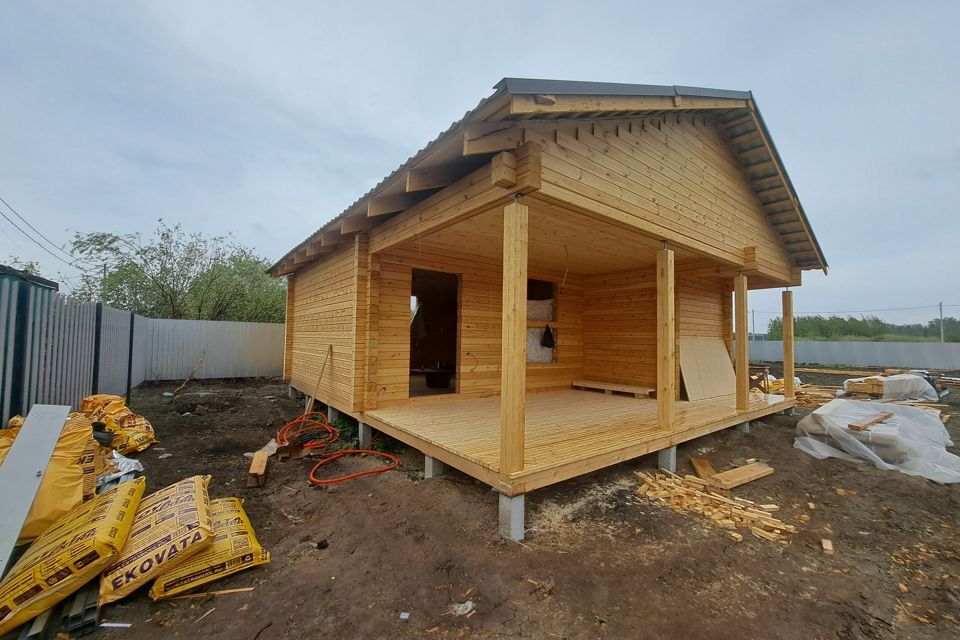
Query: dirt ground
[(598, 561)]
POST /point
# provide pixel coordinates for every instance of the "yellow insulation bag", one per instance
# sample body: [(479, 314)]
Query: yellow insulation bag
[(235, 548), (68, 554), (169, 527), (132, 433), (68, 479)]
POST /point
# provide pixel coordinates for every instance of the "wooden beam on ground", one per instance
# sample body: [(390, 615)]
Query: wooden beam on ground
[(513, 362), (703, 468), (666, 340), (257, 475), (502, 140), (789, 391), (23, 470), (741, 475), (383, 205), (743, 354)]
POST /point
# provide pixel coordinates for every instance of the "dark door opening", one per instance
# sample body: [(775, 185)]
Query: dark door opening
[(434, 319)]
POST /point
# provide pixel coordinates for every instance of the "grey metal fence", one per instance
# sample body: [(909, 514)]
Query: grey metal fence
[(916, 355), (56, 350)]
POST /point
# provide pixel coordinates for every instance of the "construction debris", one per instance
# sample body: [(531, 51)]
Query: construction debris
[(695, 495), (741, 475), (257, 475), (827, 546)]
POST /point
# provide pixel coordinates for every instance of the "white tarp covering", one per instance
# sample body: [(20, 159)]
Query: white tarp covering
[(902, 386), (912, 441)]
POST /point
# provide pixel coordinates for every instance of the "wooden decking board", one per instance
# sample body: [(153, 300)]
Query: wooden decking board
[(568, 432)]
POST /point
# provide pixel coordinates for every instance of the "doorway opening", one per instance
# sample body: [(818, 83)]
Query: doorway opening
[(434, 321)]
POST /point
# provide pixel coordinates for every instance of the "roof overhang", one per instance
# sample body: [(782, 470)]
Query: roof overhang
[(483, 131)]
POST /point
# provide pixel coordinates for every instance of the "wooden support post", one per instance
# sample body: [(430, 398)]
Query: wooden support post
[(513, 363), (788, 373), (743, 353), (666, 340)]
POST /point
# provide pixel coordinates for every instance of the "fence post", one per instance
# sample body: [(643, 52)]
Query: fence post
[(18, 370), (130, 357), (97, 336)]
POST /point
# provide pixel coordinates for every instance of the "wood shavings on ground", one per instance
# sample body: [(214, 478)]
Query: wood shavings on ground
[(690, 494)]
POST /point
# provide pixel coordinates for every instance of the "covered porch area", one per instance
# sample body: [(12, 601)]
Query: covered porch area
[(567, 433)]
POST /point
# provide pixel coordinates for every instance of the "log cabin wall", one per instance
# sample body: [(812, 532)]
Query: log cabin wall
[(324, 307), (480, 318), (620, 313), (673, 177)]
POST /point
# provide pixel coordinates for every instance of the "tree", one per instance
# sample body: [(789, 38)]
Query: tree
[(172, 274)]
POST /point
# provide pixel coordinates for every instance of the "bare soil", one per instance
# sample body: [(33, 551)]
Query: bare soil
[(598, 561)]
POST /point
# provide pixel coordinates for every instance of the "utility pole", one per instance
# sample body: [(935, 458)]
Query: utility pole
[(941, 322), (753, 321)]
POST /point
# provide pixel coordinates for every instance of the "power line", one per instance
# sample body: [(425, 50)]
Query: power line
[(35, 241), (39, 233), (828, 313)]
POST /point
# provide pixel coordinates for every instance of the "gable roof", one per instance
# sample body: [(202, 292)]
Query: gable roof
[(518, 99)]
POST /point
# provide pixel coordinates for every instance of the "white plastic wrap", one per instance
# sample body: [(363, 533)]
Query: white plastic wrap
[(121, 464), (912, 441), (903, 386)]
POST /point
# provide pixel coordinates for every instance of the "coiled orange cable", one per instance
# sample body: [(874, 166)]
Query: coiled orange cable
[(313, 431)]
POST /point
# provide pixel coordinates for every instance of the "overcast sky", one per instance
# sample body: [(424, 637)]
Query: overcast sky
[(266, 119)]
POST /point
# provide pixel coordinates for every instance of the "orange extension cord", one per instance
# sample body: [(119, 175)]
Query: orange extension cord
[(316, 423)]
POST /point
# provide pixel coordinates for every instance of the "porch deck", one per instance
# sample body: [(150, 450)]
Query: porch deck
[(568, 433)]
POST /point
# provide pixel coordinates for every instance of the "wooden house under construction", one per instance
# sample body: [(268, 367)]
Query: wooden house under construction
[(554, 284)]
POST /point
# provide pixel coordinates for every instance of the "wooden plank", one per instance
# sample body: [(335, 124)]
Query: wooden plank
[(666, 339), (383, 205), (23, 469), (743, 355), (789, 382), (502, 140), (742, 475), (503, 169), (257, 474), (866, 423), (706, 368), (356, 224), (514, 338), (423, 179), (529, 105), (703, 468), (597, 385)]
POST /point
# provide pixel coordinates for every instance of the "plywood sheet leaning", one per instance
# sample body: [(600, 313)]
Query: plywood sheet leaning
[(706, 368)]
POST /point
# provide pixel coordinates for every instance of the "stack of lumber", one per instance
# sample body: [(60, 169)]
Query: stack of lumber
[(690, 494), (814, 396), (869, 386)]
